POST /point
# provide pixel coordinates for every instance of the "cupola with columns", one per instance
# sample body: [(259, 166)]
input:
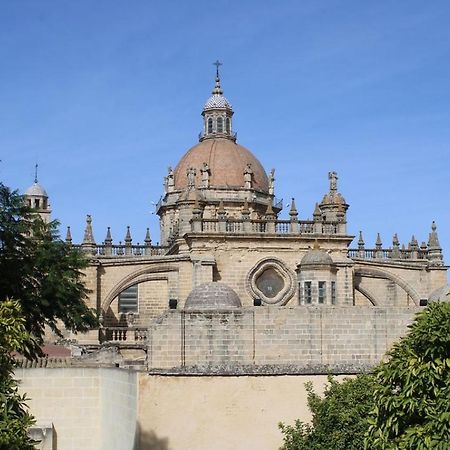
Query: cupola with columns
[(36, 197), (217, 113)]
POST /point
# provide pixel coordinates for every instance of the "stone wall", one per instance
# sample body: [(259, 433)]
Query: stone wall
[(90, 408), (220, 413), (278, 340)]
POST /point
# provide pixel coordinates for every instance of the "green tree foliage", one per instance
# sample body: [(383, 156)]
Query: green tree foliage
[(14, 416), (40, 269), (339, 418), (412, 394)]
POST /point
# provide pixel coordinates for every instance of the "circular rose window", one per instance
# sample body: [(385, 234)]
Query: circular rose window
[(271, 281)]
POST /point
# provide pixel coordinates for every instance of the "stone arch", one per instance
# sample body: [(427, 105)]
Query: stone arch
[(372, 272), (366, 294), (138, 276)]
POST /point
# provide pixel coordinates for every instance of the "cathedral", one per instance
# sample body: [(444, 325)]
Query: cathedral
[(232, 290), (219, 224)]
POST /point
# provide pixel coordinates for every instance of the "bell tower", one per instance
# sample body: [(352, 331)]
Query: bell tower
[(36, 198)]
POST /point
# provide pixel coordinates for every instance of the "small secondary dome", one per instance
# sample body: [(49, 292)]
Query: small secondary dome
[(36, 190), (316, 257), (212, 296)]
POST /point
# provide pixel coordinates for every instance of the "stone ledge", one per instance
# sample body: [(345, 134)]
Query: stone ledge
[(264, 370)]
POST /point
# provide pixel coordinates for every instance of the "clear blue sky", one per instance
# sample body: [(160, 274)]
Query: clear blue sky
[(104, 95)]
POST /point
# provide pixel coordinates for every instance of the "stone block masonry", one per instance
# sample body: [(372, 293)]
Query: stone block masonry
[(89, 408), (275, 340)]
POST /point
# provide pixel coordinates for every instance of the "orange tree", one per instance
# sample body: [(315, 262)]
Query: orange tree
[(412, 393)]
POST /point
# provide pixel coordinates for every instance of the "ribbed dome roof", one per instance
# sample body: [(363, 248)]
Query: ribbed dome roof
[(36, 190), (217, 101), (316, 257), (227, 162), (212, 296), (333, 198)]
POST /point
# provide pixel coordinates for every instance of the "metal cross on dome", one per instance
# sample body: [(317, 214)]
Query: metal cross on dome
[(217, 64)]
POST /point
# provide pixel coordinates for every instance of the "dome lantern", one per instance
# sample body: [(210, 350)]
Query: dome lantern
[(217, 113)]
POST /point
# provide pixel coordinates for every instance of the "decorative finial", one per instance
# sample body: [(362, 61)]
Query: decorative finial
[(88, 233), (108, 239), (68, 236), (293, 211), (217, 64), (433, 240), (191, 173), (128, 238), (413, 244), (317, 214), (395, 241), (269, 210), (378, 243), (217, 88), (395, 253), (434, 248), (332, 176), (147, 239), (361, 242), (36, 173)]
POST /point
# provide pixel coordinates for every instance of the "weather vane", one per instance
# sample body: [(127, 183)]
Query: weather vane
[(217, 64), (36, 173)]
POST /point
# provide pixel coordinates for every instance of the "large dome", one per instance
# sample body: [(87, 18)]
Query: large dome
[(227, 162)]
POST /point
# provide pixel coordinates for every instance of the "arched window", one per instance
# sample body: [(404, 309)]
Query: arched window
[(228, 122), (210, 125), (219, 125)]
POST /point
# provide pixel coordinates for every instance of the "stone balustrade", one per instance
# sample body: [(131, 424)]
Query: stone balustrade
[(387, 253), (105, 250), (129, 335), (267, 226)]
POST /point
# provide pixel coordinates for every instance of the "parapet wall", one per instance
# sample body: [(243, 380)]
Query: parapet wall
[(275, 340)]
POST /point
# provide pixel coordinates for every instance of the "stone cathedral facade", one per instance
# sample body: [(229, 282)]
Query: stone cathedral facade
[(223, 247), (231, 290)]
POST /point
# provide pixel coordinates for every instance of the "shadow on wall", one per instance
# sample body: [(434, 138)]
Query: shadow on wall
[(149, 441)]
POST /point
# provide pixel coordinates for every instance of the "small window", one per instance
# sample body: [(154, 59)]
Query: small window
[(29, 202), (210, 125), (128, 300), (228, 122), (322, 292), (219, 125), (333, 292), (36, 203), (307, 292)]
